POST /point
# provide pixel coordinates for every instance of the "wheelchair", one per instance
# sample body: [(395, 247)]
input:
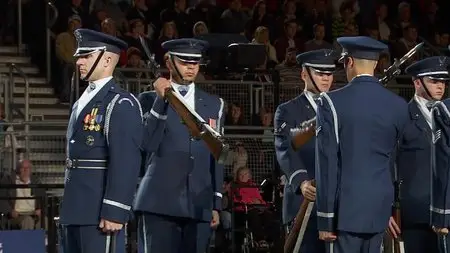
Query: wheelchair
[(240, 238)]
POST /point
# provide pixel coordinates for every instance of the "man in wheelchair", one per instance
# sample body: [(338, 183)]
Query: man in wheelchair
[(252, 214)]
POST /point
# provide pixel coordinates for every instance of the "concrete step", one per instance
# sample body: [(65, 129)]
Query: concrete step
[(37, 101), (15, 59), (31, 80), (32, 90), (42, 133), (47, 169), (49, 111), (57, 145), (54, 157), (54, 180), (13, 49), (29, 70)]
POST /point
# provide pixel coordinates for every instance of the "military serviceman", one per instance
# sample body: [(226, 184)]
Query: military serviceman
[(180, 195), (440, 179), (414, 153), (103, 151), (298, 166), (357, 129)]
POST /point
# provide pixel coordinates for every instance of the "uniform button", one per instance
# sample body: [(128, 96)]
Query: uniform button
[(192, 157), (72, 141)]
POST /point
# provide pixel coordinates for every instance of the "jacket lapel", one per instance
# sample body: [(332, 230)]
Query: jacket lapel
[(419, 119), (201, 103), (306, 106), (96, 100)]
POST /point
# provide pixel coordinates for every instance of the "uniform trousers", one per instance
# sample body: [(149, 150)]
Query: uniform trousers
[(168, 234), (311, 242), (90, 239), (347, 242), (420, 238)]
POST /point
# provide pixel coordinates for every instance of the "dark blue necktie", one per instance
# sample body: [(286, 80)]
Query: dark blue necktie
[(183, 90)]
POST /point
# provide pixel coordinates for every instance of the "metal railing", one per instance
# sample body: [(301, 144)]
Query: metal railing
[(10, 98), (49, 22)]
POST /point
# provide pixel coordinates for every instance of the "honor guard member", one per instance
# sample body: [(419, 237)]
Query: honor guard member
[(429, 77), (357, 129), (180, 196), (440, 194), (103, 151), (298, 166)]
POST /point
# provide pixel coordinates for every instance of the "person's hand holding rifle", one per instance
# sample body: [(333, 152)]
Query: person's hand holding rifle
[(308, 189), (395, 222)]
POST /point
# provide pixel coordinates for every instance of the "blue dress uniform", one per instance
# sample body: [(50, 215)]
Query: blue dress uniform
[(183, 182), (413, 163), (440, 195), (299, 165), (103, 157), (357, 130)]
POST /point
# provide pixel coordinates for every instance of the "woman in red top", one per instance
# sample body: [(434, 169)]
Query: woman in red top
[(246, 194)]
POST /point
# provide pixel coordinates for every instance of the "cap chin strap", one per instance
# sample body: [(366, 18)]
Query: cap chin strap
[(102, 52), (308, 70), (182, 80), (426, 89)]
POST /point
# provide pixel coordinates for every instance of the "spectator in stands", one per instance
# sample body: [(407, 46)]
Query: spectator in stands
[(234, 19), (318, 41), (235, 116), (68, 9), (100, 16), (288, 69), (239, 155), (319, 14), (114, 12), (259, 17), (432, 21), (178, 14), (199, 28), (168, 32), (406, 43), (372, 31), (137, 31), (262, 37), (350, 30), (289, 39), (289, 9), (109, 26), (206, 12), (135, 61), (149, 18), (344, 21), (383, 63), (65, 48), (246, 192), (404, 19), (443, 41), (383, 26), (26, 213)]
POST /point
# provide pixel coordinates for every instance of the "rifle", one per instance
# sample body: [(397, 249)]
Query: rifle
[(197, 126), (303, 134), (398, 244), (295, 237), (394, 70), (308, 128)]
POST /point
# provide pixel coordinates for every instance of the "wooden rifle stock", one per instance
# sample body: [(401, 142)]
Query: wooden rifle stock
[(292, 237), (304, 133), (398, 242), (198, 129)]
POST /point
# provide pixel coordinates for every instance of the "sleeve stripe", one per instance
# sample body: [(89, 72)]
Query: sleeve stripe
[(439, 210), (157, 115), (218, 194), (325, 215), (116, 204), (291, 178)]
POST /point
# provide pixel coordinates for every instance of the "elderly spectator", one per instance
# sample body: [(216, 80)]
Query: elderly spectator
[(26, 213), (199, 28)]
